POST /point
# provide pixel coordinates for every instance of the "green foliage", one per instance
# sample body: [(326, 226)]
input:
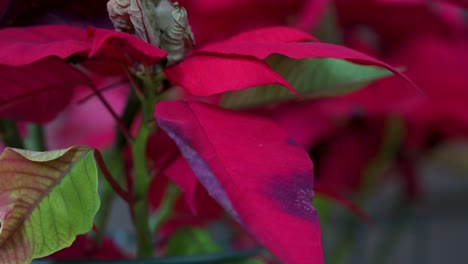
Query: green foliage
[(46, 200), (312, 78), (191, 241), (196, 241)]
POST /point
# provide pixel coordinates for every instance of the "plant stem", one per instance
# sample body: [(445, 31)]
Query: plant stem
[(140, 167), (141, 184), (10, 135), (35, 139)]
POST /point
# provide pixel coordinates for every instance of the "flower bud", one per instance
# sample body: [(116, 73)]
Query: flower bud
[(158, 22)]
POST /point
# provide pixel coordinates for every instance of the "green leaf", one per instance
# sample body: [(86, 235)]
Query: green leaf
[(191, 241), (46, 200), (312, 78)]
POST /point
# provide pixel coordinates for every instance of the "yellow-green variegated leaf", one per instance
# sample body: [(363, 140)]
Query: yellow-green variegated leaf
[(46, 200), (312, 78)]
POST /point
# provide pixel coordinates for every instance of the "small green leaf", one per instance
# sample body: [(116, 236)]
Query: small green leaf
[(46, 200), (317, 77), (191, 241)]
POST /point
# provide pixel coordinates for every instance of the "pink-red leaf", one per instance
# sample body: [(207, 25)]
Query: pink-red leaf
[(22, 46), (37, 82), (258, 174), (234, 64), (205, 75), (39, 91), (295, 50), (119, 46)]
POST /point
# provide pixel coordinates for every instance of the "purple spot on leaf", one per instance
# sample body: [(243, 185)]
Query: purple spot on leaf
[(303, 201), (294, 194), (292, 142)]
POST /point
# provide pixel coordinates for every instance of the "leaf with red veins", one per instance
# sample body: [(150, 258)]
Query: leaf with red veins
[(258, 174), (38, 92), (205, 75), (52, 197)]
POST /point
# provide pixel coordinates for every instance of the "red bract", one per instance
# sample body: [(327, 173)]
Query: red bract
[(438, 114), (29, 90), (213, 20), (394, 22), (259, 175), (238, 63), (39, 82)]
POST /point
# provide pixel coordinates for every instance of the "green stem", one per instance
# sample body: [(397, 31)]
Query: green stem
[(10, 135), (141, 173), (141, 184), (35, 139)]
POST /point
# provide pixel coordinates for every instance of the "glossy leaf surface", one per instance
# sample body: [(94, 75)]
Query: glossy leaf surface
[(259, 175)]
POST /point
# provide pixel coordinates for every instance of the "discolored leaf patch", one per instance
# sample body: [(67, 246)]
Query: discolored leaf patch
[(46, 200)]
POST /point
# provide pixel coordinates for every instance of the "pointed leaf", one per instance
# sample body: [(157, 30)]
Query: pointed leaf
[(258, 174), (37, 84), (215, 72), (310, 78), (295, 50), (205, 75), (22, 46), (46, 200), (119, 46)]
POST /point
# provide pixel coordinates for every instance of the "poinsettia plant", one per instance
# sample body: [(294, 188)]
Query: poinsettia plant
[(187, 143)]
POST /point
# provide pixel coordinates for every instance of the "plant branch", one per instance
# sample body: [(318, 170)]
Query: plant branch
[(141, 172), (113, 157), (113, 183), (109, 108)]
